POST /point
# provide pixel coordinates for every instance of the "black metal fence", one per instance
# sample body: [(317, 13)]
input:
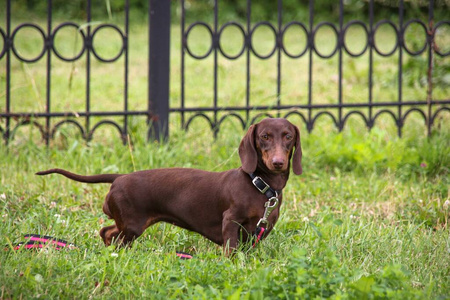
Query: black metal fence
[(11, 121), (158, 108), (398, 108)]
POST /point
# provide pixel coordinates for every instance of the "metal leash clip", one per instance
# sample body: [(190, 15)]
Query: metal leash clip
[(270, 205)]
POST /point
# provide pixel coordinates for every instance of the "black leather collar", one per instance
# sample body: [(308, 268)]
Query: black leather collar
[(262, 186)]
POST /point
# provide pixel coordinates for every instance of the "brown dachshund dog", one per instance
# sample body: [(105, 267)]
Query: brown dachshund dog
[(224, 207)]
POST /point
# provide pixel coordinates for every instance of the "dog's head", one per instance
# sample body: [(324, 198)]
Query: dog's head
[(272, 142)]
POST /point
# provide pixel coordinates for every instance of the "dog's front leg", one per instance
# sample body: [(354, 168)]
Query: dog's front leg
[(230, 233)]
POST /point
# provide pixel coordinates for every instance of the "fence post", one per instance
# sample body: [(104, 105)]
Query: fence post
[(159, 69)]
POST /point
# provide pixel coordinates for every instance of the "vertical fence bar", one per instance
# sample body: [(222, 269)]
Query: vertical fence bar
[(430, 40), (88, 69), (159, 69), (340, 45), (370, 40), (125, 91), (183, 43), (311, 50), (215, 41), (48, 46), (400, 67), (279, 43), (248, 42), (8, 70)]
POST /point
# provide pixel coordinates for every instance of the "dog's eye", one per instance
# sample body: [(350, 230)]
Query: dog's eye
[(265, 137), (289, 137)]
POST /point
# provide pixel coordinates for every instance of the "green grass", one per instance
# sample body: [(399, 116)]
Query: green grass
[(368, 219), (364, 220)]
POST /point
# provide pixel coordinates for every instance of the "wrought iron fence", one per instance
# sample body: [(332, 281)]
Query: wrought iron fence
[(398, 108), (11, 121), (158, 108)]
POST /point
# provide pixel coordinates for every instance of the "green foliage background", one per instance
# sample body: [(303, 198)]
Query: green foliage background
[(237, 9)]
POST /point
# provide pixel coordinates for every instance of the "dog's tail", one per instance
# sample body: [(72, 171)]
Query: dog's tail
[(101, 178)]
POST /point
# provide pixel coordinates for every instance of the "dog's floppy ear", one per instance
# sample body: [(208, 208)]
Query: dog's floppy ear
[(297, 157), (247, 151)]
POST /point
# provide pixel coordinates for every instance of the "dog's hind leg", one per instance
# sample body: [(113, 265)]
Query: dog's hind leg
[(123, 237), (109, 234), (130, 223)]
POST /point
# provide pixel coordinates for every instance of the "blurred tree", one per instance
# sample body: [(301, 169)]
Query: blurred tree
[(236, 9)]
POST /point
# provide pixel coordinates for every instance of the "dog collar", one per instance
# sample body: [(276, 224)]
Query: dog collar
[(262, 186)]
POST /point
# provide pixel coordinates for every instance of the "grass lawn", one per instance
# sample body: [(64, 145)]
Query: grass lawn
[(368, 219)]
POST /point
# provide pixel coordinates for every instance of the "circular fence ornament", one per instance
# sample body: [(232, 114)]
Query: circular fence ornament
[(382, 29), (355, 31), (3, 43), (28, 43), (191, 31), (258, 29), (223, 44), (417, 29), (323, 27), (297, 32), (59, 42), (105, 28), (441, 34)]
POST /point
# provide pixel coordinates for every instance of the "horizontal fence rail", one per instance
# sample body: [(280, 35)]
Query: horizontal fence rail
[(158, 110)]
